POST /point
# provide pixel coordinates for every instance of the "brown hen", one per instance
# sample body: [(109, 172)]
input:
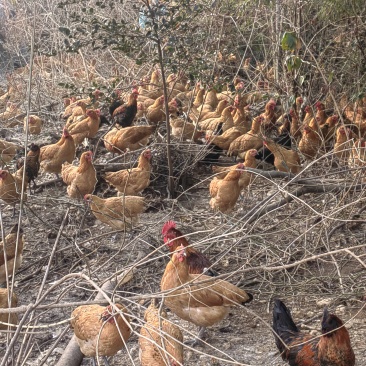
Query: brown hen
[(86, 128), (251, 140), (99, 326), (78, 113), (201, 304), (216, 113), (156, 112), (13, 251), (53, 156), (226, 120), (34, 125), (32, 164), (225, 192), (185, 130), (310, 142), (7, 151), (224, 140), (116, 212), (131, 138), (80, 180), (11, 318), (246, 177), (156, 331), (132, 181), (343, 143), (197, 261), (284, 160), (11, 187)]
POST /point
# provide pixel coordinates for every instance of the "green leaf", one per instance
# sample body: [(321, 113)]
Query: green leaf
[(301, 79), (330, 77), (290, 42), (293, 63), (297, 63)]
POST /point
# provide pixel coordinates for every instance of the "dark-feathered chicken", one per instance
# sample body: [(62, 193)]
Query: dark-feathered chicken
[(265, 154), (116, 102), (333, 348), (104, 120), (32, 164), (126, 113), (214, 152)]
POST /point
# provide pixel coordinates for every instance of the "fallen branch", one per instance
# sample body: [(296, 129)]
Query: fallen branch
[(49, 182), (308, 186)]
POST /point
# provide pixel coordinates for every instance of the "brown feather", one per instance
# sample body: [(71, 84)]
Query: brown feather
[(14, 253), (132, 181), (116, 211), (7, 318), (53, 156), (156, 329), (81, 180), (202, 304), (90, 329)]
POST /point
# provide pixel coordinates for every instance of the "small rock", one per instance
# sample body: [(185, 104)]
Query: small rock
[(225, 263), (341, 309), (324, 302)]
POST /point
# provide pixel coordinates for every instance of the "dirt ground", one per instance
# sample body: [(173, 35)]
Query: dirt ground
[(244, 338)]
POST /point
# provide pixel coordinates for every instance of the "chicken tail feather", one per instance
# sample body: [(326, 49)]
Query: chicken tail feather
[(283, 324)]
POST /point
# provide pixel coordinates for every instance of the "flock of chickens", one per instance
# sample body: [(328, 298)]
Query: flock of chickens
[(223, 121)]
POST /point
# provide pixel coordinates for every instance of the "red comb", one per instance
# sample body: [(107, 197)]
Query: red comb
[(167, 226), (319, 105)]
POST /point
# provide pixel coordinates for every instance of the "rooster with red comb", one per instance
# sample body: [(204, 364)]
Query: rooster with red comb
[(197, 262)]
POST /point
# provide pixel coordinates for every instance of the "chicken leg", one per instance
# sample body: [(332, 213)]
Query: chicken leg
[(198, 340), (94, 363)]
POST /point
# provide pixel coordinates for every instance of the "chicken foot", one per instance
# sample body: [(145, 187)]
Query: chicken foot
[(94, 363), (34, 187), (198, 340)]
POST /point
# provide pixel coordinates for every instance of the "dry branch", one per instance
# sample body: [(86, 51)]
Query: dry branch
[(309, 186)]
